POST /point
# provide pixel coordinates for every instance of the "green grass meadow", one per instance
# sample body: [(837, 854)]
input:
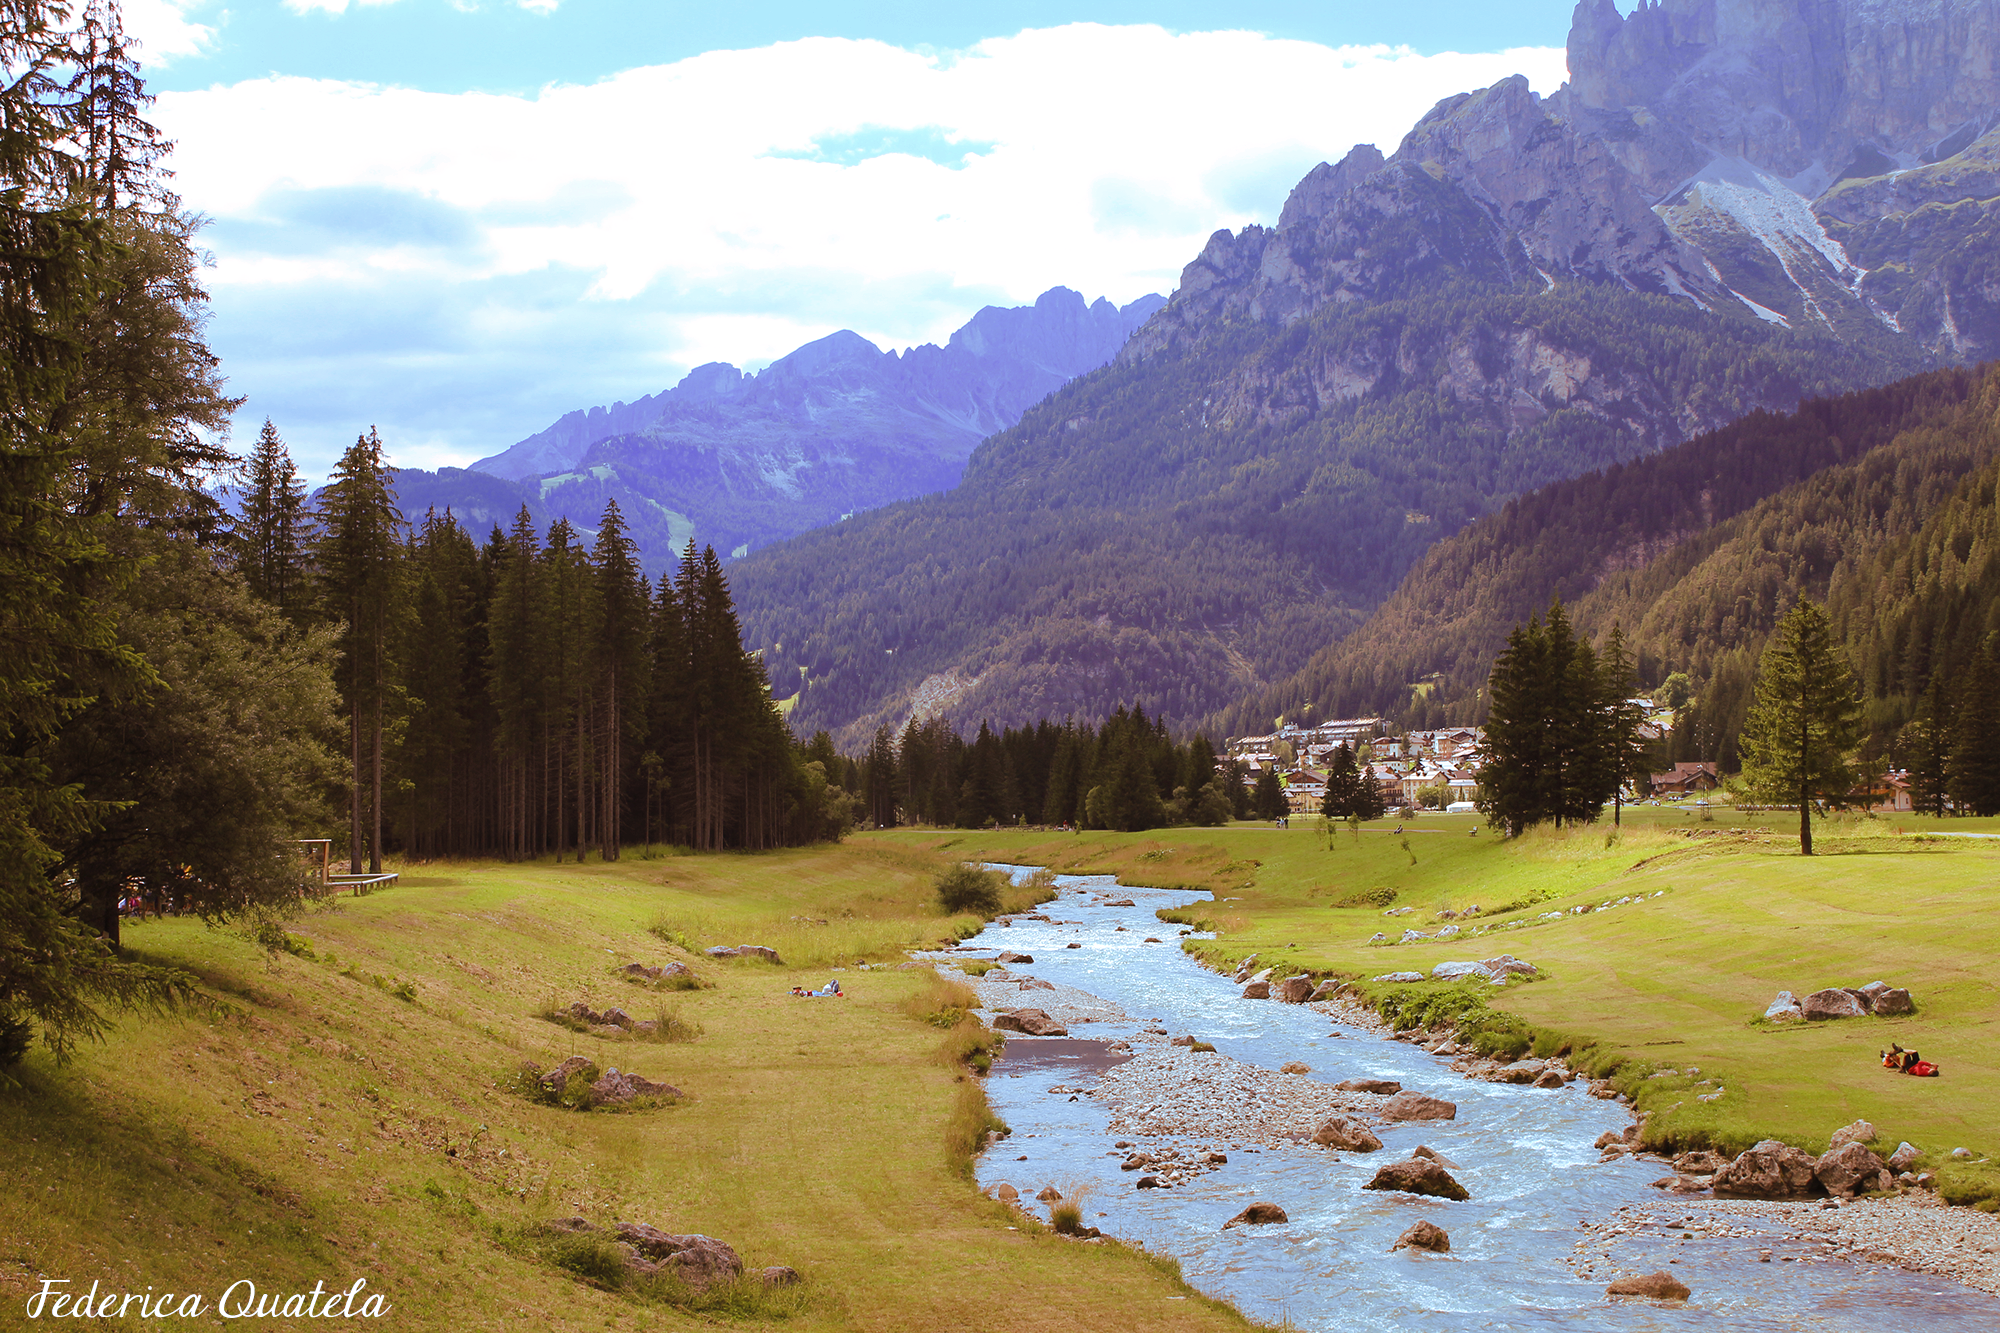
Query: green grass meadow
[(342, 1115)]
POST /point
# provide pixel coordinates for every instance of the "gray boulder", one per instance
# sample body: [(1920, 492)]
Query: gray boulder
[(1417, 1106), (1401, 976), (1507, 965), (1785, 1009), (1771, 1170), (1850, 1169), (1858, 1132), (1419, 1175), (1833, 1002), (1346, 1133), (1903, 1158), (1466, 968)]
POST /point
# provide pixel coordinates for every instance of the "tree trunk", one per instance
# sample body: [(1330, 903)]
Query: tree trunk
[(1805, 793), (354, 788), (375, 844)]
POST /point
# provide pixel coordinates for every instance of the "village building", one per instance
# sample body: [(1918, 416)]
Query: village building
[(1685, 779)]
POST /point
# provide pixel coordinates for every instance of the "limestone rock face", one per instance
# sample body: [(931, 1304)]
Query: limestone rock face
[(1771, 1170)]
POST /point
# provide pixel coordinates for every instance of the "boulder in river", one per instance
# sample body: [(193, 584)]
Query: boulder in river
[(1850, 1169), (1119, 902), (1347, 1134), (1005, 1193), (1550, 1078), (1700, 1163), (1423, 1236), (1257, 1215), (1858, 1132), (1033, 1022), (1833, 1002), (1417, 1106), (1294, 990), (1658, 1286), (1771, 1170), (1429, 1153), (1050, 1194), (1521, 1072), (1149, 1183), (1383, 1086), (1017, 958), (1419, 1175)]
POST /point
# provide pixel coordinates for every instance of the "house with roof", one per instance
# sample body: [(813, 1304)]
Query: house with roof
[(1685, 779)]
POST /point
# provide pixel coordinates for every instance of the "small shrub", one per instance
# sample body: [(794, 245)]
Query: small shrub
[(597, 1261), (1067, 1217), (276, 940), (965, 888), (1376, 897), (977, 967), (966, 1127), (664, 931), (670, 1025)]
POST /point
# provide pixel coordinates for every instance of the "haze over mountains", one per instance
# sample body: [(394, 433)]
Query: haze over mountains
[(1732, 205), (738, 460)]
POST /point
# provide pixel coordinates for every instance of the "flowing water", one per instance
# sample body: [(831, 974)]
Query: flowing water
[(1524, 1154)]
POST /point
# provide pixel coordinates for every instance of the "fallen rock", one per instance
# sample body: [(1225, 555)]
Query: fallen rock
[(1419, 1175), (1848, 1170), (1295, 990), (1903, 1158), (1894, 1001), (1831, 1003), (1016, 958), (1785, 1009), (779, 1276), (1417, 1106), (1401, 976), (1423, 1236), (1384, 1086), (1243, 968), (1467, 968), (1257, 1215), (615, 1087), (1347, 1134), (1033, 1022), (1858, 1132), (1658, 1286), (1771, 1170), (1257, 990), (1701, 1163)]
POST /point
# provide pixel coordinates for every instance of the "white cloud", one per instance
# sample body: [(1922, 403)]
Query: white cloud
[(163, 29), (676, 214)]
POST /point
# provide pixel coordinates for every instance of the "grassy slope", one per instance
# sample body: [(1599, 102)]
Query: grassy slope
[(328, 1129), (1682, 979)]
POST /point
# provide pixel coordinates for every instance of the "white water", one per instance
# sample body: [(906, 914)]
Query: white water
[(1523, 1153)]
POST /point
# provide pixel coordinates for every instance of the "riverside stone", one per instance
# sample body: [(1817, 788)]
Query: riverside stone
[(1347, 1134), (1848, 1170), (1017, 958), (1423, 1236), (1257, 1215), (1257, 990), (1860, 1131), (1659, 1286), (1417, 1106), (1904, 1157), (1384, 1086), (1033, 1022), (1771, 1170), (1295, 990), (1419, 1175)]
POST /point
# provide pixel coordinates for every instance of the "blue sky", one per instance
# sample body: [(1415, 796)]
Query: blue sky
[(457, 221)]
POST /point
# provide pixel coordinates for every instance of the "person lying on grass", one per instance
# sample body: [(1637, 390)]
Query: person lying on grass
[(1908, 1062), (830, 991)]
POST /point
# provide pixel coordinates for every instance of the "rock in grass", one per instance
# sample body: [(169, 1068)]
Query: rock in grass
[(1347, 1134), (1507, 965), (1419, 1175), (1849, 1169), (1032, 1022), (1785, 1009), (697, 1260), (1257, 1215), (1903, 1158), (1401, 976), (1858, 1132), (1384, 1086), (1423, 1236), (616, 1087), (1464, 968), (1771, 1170), (568, 1226), (779, 1276), (1894, 1001), (1658, 1286), (1833, 1002), (1416, 1106)]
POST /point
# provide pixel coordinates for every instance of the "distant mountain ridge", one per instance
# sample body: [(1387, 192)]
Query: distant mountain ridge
[(1733, 205), (838, 426)]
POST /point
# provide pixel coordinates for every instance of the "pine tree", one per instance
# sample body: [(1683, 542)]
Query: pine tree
[(1805, 721), (270, 534), (1973, 775), (1926, 744), (1624, 756), (620, 657)]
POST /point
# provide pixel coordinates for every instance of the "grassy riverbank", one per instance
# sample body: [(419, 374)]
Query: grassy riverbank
[(1678, 980), (344, 1118)]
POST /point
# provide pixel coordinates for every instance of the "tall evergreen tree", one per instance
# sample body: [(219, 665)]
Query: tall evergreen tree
[(1625, 758), (1926, 745), (1806, 720), (359, 559), (620, 664), (270, 534), (1974, 771)]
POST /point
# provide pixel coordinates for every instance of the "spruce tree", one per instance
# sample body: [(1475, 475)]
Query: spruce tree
[(1926, 746), (1973, 774), (270, 534), (1805, 721)]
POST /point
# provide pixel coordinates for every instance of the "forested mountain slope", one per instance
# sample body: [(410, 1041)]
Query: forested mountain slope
[(1879, 503), (1527, 289)]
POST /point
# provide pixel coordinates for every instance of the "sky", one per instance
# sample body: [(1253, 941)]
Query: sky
[(456, 220)]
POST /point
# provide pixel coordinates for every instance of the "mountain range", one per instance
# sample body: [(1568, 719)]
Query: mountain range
[(738, 460), (1732, 206)]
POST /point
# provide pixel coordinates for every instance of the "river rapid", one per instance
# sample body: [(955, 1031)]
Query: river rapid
[(1524, 1154)]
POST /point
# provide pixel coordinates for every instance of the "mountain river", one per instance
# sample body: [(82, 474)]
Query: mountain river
[(1518, 1259)]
